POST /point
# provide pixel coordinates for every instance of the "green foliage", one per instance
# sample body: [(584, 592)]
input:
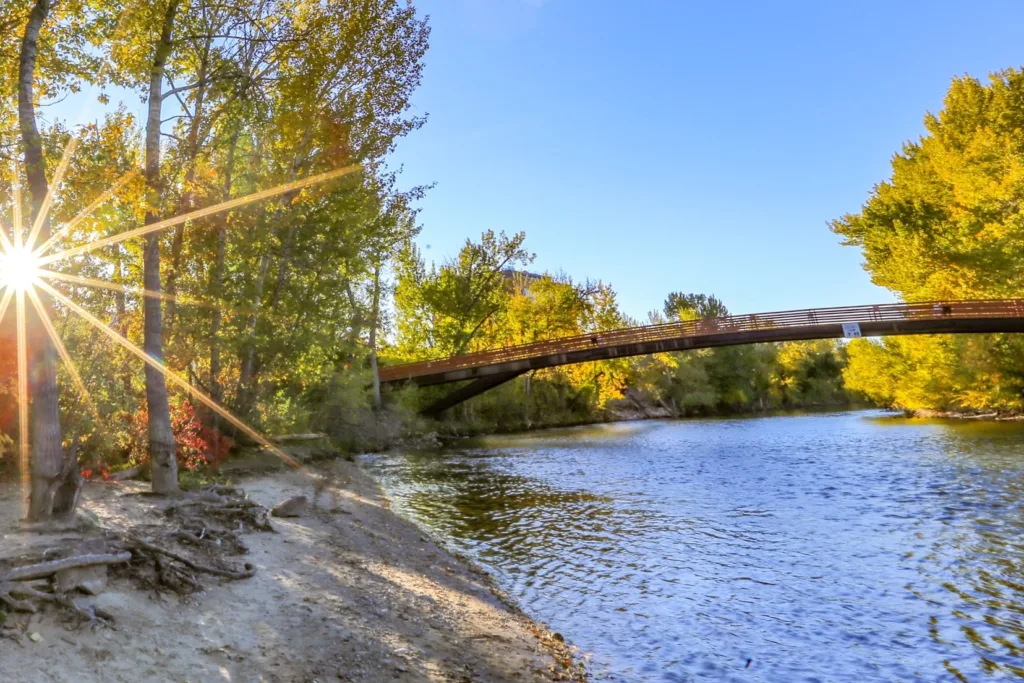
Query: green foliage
[(738, 379), (436, 314), (342, 409), (273, 301), (446, 311), (948, 224), (679, 306)]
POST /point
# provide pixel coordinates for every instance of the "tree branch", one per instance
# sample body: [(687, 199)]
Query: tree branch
[(44, 569)]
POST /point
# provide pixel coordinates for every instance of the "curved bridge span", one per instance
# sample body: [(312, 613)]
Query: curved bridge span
[(494, 367)]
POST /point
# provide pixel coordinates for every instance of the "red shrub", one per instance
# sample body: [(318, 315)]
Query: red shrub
[(198, 446)]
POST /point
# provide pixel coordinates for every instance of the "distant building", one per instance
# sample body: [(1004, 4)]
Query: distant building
[(520, 280)]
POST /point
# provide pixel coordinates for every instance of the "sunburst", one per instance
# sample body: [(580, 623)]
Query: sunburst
[(26, 266), (19, 268)]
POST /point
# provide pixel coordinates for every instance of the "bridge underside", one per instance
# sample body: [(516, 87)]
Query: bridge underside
[(489, 376), (464, 393)]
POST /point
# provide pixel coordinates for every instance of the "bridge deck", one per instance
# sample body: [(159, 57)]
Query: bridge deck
[(992, 315)]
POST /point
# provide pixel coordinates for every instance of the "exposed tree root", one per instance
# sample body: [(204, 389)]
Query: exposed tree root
[(208, 523), (140, 544), (14, 604), (230, 512)]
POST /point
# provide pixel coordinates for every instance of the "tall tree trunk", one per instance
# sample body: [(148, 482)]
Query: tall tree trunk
[(245, 374), (250, 364), (47, 453), (161, 436), (188, 195), (217, 276), (122, 324), (373, 336), (282, 265)]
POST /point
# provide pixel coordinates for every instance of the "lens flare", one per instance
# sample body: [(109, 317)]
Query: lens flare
[(23, 271), (19, 268)]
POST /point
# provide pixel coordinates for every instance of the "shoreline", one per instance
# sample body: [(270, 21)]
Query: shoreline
[(988, 415), (435, 438), (350, 591)]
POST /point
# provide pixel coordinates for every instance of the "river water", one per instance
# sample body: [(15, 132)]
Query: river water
[(829, 547)]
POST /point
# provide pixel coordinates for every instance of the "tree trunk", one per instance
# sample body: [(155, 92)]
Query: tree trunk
[(245, 373), (373, 337), (188, 195), (282, 265), (217, 277), (250, 365), (122, 324), (161, 436), (47, 454)]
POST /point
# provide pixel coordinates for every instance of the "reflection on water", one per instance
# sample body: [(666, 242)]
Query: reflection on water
[(843, 547)]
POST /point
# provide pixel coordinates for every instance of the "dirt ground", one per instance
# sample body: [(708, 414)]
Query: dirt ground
[(347, 592)]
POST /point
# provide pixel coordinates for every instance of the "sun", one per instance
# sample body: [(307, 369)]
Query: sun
[(19, 268), (27, 267)]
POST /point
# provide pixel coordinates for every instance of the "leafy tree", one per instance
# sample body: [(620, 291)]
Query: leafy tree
[(679, 306), (444, 310), (273, 303), (948, 224), (63, 36), (432, 316)]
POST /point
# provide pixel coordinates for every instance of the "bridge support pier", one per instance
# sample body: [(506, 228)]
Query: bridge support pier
[(467, 392)]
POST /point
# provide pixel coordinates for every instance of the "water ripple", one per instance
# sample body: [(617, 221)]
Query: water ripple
[(815, 548)]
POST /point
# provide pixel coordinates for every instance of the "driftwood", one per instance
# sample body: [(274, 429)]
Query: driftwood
[(18, 593), (208, 521), (7, 598), (141, 544), (129, 473), (45, 569), (94, 615), (282, 438), (231, 512)]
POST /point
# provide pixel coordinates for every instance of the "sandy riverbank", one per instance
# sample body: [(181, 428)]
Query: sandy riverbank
[(348, 592)]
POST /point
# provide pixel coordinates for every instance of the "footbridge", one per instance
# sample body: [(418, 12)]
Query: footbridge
[(488, 369)]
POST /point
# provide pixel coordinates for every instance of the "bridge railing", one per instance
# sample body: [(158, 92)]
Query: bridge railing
[(812, 317)]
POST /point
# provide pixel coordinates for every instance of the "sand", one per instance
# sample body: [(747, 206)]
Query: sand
[(348, 592)]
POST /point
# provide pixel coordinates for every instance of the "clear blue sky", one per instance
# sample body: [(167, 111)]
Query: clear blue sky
[(667, 146)]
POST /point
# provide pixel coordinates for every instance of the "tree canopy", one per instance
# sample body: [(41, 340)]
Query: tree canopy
[(948, 224), (260, 306)]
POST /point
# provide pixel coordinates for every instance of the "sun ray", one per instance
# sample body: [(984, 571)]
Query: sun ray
[(16, 209), (6, 302), (86, 212), (171, 375), (103, 284), (63, 353), (202, 213), (23, 441), (164, 296), (58, 178), (5, 241)]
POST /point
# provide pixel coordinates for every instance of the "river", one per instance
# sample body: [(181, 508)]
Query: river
[(830, 547)]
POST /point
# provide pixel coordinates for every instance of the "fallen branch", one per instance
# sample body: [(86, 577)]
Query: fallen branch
[(248, 572), (297, 437), (183, 535), (44, 569), (94, 615), (129, 473), (15, 605)]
